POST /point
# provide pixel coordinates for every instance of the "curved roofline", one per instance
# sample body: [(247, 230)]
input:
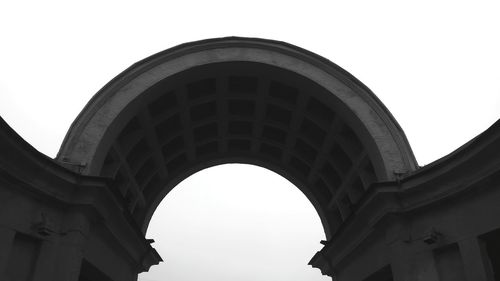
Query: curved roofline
[(180, 50), (459, 156), (13, 141)]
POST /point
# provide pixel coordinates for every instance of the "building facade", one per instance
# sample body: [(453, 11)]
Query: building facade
[(83, 216)]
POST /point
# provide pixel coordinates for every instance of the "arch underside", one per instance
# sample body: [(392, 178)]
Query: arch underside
[(239, 112), (245, 113)]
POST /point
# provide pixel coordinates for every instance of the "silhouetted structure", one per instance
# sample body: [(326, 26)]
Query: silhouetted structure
[(83, 215)]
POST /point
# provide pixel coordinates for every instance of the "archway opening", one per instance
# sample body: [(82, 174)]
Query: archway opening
[(235, 222), (238, 100)]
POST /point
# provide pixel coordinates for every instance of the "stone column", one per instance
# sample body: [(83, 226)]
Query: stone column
[(476, 262), (410, 265), (70, 247), (46, 261), (6, 241)]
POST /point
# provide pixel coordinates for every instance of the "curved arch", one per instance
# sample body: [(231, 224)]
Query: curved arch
[(239, 100)]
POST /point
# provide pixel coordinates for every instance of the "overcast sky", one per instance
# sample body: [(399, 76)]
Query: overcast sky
[(434, 64)]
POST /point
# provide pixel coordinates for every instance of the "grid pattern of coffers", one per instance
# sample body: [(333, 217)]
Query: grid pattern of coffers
[(248, 111)]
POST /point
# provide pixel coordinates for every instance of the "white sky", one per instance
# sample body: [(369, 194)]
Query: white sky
[(434, 64), (235, 222)]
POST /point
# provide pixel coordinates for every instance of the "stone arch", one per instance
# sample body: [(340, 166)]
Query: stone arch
[(241, 100)]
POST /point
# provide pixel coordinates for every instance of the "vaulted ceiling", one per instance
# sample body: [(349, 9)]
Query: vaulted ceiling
[(153, 131)]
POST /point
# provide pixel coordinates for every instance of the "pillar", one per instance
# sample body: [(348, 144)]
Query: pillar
[(70, 246), (6, 240), (476, 262)]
